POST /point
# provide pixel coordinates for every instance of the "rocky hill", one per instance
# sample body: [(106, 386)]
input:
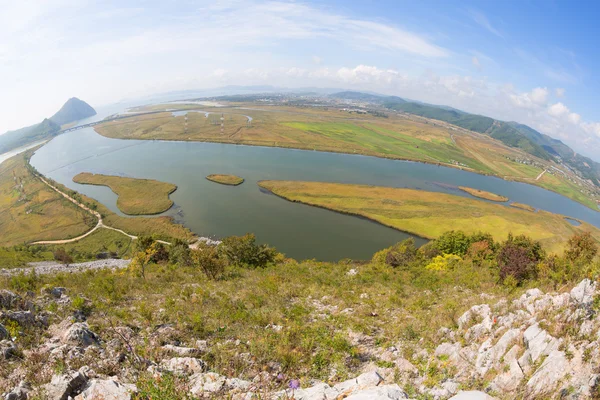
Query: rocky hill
[(538, 346)]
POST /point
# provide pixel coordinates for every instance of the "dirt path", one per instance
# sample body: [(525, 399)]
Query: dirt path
[(540, 175), (99, 225)]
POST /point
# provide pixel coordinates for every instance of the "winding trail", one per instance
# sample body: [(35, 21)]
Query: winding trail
[(99, 225), (540, 175)]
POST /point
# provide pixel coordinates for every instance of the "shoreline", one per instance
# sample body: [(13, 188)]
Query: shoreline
[(335, 151)]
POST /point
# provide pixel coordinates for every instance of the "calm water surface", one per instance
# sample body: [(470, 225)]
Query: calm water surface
[(298, 230)]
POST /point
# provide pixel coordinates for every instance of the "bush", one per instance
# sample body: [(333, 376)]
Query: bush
[(207, 258), (62, 256), (581, 248), (180, 253), (159, 253), (445, 262), (143, 243), (402, 254), (453, 242), (243, 251), (518, 258)]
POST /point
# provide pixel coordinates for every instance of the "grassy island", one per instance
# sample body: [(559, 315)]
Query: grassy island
[(136, 196), (429, 214), (231, 180), (483, 194), (522, 206)]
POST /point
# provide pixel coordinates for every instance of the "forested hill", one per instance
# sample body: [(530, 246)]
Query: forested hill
[(73, 110), (512, 134)]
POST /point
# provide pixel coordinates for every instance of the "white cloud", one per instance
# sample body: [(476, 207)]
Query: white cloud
[(558, 110), (483, 21), (560, 92), (574, 118), (317, 60), (476, 63), (537, 97)]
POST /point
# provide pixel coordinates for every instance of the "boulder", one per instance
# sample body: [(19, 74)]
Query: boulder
[(508, 381), (583, 294), (107, 390), (8, 350), (539, 342), (490, 355), (79, 334), (385, 392), (182, 351), (471, 395), (8, 299), (25, 319), (61, 387), (184, 365), (366, 380), (544, 380), (474, 314), (21, 392), (57, 292), (4, 333), (209, 382)]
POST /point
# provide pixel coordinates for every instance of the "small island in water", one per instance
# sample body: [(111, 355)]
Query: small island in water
[(223, 179), (482, 194)]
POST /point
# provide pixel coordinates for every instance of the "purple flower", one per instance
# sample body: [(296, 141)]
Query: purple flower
[(280, 377), (294, 384)]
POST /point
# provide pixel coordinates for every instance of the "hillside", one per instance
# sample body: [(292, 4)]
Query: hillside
[(73, 110), (512, 133), (21, 137)]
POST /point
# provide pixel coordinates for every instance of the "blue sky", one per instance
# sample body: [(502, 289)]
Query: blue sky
[(529, 61)]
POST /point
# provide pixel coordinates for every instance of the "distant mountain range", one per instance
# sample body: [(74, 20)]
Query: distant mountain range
[(512, 133), (73, 110)]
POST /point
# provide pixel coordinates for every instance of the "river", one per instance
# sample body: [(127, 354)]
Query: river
[(298, 230)]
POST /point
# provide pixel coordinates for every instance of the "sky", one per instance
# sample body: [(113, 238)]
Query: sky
[(533, 62)]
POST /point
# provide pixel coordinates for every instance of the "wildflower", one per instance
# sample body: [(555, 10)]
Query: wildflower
[(294, 384)]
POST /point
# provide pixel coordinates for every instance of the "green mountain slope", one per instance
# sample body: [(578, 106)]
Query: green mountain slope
[(21, 137), (73, 110)]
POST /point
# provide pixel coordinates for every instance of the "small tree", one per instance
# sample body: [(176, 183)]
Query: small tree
[(402, 254), (243, 251), (62, 256), (180, 253), (518, 258), (453, 242), (207, 258), (581, 248)]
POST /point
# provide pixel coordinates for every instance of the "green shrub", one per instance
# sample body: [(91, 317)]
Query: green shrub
[(62, 256), (581, 248), (453, 242), (402, 254), (243, 251), (180, 254), (208, 260)]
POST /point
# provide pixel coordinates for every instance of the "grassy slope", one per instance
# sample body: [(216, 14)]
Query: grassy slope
[(31, 211), (313, 341), (483, 194), (430, 214), (136, 196), (226, 179), (336, 131)]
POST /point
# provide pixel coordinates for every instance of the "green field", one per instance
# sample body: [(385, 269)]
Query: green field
[(231, 180), (429, 214), (136, 196)]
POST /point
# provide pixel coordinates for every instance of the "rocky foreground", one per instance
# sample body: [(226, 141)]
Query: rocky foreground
[(536, 347)]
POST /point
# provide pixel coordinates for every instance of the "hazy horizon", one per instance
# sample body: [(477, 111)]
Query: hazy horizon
[(532, 63)]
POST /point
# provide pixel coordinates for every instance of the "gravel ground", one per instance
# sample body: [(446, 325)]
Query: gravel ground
[(51, 267)]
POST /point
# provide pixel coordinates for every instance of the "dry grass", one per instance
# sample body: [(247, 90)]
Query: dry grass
[(429, 214), (225, 179), (31, 211), (483, 194), (136, 196)]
